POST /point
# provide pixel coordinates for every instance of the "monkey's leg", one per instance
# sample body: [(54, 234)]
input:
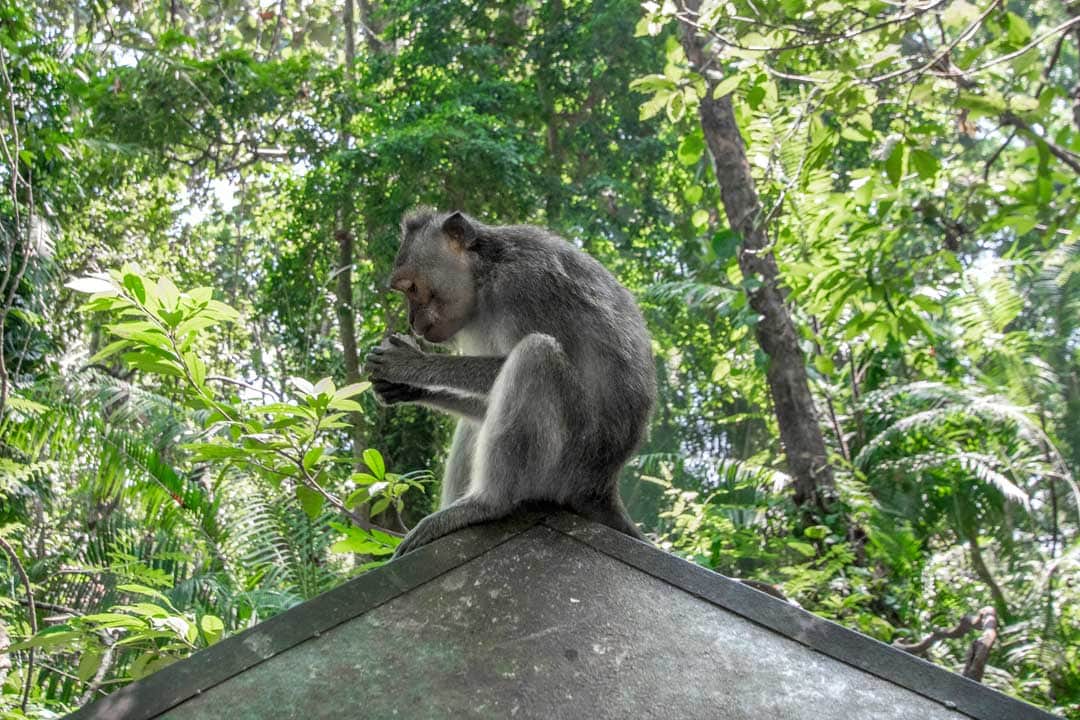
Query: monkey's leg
[(459, 464), (535, 411), (463, 513), (531, 413)]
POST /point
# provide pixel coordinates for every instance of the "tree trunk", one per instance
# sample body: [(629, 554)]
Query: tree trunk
[(796, 415), (346, 241)]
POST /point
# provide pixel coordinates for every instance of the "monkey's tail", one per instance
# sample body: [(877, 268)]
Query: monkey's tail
[(615, 517)]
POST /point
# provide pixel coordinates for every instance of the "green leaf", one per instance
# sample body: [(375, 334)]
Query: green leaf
[(302, 385), (134, 283), (755, 95), (676, 107), (1019, 32), (652, 107), (167, 293), (89, 664), (108, 351), (374, 460), (805, 549), (817, 532), (212, 628), (652, 83), (1021, 223), (212, 451), (991, 102), (1023, 103), (136, 589), (357, 497), (926, 164), (894, 164), (727, 86), (151, 364), (311, 457), (959, 13), (196, 367), (325, 386), (691, 148), (855, 134), (92, 285), (310, 500), (201, 294), (380, 505), (347, 405), (351, 390)]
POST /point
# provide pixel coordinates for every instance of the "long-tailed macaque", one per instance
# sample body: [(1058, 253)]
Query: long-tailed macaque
[(554, 379)]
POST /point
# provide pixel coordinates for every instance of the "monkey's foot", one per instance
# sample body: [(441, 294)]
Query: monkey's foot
[(420, 535), (461, 514)]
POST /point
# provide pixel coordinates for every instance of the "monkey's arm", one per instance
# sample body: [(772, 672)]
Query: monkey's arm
[(394, 393), (399, 361)]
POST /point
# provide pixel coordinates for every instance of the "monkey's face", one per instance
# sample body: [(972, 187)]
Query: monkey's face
[(435, 275)]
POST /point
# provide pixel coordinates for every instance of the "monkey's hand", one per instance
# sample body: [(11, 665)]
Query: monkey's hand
[(396, 361), (389, 393)]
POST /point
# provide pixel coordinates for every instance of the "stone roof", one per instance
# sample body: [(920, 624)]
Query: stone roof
[(551, 616)]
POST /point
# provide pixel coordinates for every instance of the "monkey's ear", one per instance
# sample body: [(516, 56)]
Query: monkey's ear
[(460, 231)]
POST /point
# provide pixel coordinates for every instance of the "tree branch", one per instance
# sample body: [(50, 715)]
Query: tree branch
[(31, 612), (1066, 156), (979, 651)]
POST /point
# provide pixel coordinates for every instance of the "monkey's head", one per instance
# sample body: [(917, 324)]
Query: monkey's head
[(435, 271)]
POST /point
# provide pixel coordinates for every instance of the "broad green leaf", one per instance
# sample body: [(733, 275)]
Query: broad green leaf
[(693, 194), (652, 107), (959, 13), (894, 163), (347, 405), (302, 385), (324, 386), (691, 148), (676, 107), (805, 549), (1019, 32), (652, 83), (351, 390), (212, 628), (312, 457), (374, 460), (361, 478), (137, 589), (926, 164), (201, 294), (134, 283), (310, 500), (357, 497), (108, 351), (380, 505), (210, 451), (88, 665), (727, 86), (92, 286), (167, 293)]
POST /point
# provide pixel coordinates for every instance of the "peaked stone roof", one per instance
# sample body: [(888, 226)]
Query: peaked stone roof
[(551, 616)]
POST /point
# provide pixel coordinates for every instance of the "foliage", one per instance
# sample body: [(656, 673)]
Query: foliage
[(171, 472)]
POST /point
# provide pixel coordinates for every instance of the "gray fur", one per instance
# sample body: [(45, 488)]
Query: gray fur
[(556, 381)]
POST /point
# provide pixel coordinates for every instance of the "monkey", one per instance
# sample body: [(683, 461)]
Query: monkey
[(553, 381)]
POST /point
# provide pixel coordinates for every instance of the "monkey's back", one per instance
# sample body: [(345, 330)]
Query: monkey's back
[(547, 285)]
